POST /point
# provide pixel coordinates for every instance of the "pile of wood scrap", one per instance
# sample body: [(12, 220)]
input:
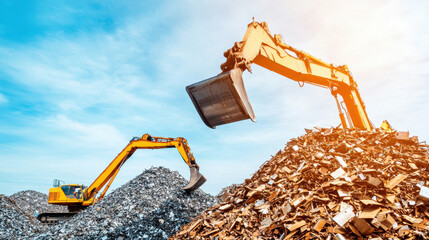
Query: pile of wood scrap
[(328, 184)]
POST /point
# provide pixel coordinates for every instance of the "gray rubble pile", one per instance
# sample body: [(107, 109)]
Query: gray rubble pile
[(33, 202), (151, 206), (15, 223)]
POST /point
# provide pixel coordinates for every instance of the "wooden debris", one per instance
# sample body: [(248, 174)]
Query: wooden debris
[(424, 193), (374, 181), (328, 184), (363, 226), (319, 225), (369, 213), (296, 225), (395, 181), (338, 173)]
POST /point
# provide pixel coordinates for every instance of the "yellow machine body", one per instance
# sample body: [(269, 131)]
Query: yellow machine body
[(77, 196), (68, 194)]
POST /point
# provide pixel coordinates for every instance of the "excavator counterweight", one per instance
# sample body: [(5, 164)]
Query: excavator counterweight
[(221, 99)]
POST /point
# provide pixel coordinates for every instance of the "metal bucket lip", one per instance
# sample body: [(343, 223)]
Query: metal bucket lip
[(242, 95), (196, 181)]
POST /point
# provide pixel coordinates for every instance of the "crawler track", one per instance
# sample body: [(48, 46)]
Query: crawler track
[(51, 218)]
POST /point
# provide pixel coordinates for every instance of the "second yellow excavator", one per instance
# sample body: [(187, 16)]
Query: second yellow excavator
[(77, 197)]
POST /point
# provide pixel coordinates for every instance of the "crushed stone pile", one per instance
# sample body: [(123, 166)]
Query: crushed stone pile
[(328, 184), (33, 202), (16, 223), (151, 206)]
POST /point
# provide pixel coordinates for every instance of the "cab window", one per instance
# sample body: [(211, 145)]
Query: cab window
[(65, 189)]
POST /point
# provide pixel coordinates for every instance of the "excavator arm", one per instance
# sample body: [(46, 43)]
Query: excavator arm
[(223, 99), (145, 142)]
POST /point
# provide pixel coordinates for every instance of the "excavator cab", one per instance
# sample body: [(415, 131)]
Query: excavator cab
[(66, 193), (221, 99)]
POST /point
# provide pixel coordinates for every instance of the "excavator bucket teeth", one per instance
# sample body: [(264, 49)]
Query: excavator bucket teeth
[(221, 99), (197, 179)]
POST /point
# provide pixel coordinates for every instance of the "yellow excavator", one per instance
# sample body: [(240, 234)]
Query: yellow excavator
[(77, 197), (223, 98)]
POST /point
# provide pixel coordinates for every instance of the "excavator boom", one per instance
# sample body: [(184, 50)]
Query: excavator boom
[(223, 99), (146, 142)]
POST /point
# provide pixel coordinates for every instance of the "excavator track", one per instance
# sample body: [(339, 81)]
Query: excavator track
[(52, 218)]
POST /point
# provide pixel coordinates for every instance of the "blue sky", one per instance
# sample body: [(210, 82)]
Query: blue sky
[(79, 79)]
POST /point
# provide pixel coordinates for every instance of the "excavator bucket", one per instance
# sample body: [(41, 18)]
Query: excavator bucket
[(221, 99), (197, 179)]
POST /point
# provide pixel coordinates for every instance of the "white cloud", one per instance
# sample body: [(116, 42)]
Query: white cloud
[(3, 99), (74, 133)]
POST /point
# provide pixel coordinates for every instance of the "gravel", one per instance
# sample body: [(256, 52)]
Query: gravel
[(151, 206), (33, 202), (16, 223)]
